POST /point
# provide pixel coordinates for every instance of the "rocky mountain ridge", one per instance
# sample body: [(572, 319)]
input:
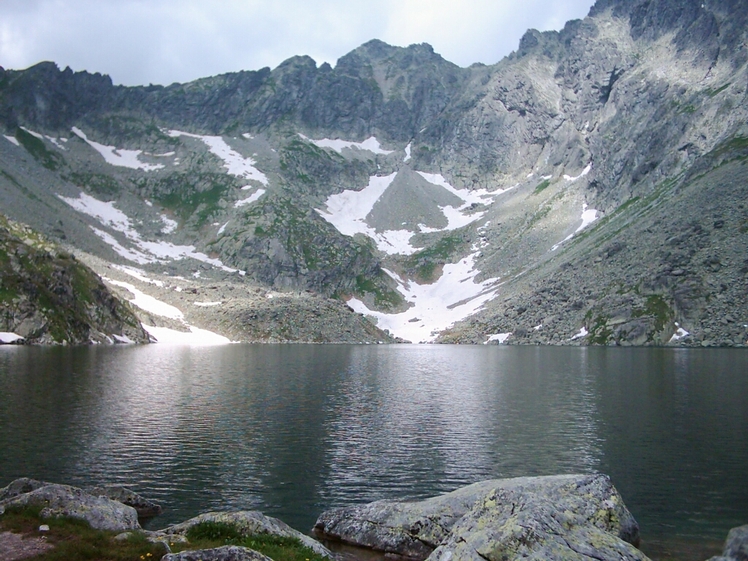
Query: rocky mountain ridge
[(587, 189)]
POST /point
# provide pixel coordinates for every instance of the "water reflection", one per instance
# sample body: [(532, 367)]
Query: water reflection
[(293, 430)]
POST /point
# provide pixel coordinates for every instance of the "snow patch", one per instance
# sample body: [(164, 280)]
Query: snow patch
[(139, 274), (34, 134), (207, 304), (500, 337), (371, 144), (222, 229), (407, 152), (347, 211), (118, 156), (12, 139), (149, 303), (585, 171), (679, 334), (437, 306), (7, 338), (124, 339), (249, 200), (196, 337), (588, 217), (235, 163), (582, 333), (170, 226), (146, 252)]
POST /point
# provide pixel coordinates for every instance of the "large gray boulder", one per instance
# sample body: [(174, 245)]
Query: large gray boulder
[(247, 523), (736, 546), (555, 517), (19, 487), (225, 553), (144, 507), (63, 500)]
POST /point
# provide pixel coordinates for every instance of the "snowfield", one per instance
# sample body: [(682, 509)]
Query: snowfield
[(235, 163), (144, 251), (435, 307), (371, 144), (118, 156)]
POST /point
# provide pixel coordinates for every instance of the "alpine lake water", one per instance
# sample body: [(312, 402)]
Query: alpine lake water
[(292, 430)]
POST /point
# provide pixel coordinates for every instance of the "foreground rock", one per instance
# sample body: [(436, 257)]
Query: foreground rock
[(556, 517), (63, 500), (247, 523), (144, 507), (225, 553), (736, 546)]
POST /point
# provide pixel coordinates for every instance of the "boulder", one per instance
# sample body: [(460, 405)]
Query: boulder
[(736, 546), (19, 487), (247, 523), (555, 517), (144, 507), (63, 500), (225, 553)]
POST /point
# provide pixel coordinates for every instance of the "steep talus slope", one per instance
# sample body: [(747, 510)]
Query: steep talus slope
[(47, 296), (585, 189)]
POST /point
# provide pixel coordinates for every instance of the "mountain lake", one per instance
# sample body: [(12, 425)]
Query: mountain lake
[(292, 430)]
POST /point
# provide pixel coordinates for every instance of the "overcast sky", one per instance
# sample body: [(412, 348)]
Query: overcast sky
[(164, 41)]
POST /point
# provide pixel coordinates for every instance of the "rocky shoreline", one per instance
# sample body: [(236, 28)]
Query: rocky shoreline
[(563, 517)]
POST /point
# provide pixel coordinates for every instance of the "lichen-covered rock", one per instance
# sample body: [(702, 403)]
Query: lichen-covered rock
[(63, 500), (411, 529), (556, 516), (736, 545), (20, 486), (143, 506), (225, 553), (575, 521), (248, 523)]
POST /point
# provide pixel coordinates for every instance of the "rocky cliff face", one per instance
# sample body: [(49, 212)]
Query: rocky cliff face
[(47, 296), (586, 189)]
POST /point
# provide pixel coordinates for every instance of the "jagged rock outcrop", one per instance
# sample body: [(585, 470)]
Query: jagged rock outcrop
[(47, 296), (736, 546), (555, 517)]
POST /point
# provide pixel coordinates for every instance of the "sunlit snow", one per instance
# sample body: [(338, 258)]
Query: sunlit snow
[(500, 337), (585, 171), (12, 139), (249, 200), (147, 251), (453, 297), (679, 334), (347, 211), (582, 333), (371, 144), (588, 217), (139, 274), (235, 163), (407, 152), (196, 337), (8, 338), (170, 226), (118, 156), (163, 335)]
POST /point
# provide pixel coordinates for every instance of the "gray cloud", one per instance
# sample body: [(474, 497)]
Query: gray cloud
[(164, 41)]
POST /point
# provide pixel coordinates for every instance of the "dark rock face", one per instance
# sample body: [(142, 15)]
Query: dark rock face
[(144, 507), (736, 545), (556, 517), (47, 296)]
